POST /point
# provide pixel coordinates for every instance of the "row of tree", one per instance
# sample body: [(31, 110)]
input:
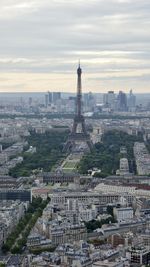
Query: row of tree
[(24, 226), (38, 251)]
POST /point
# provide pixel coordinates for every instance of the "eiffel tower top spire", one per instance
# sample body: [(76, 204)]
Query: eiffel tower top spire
[(79, 70), (79, 91), (79, 63)]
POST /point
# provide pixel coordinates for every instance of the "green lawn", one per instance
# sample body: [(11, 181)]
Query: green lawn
[(70, 165)]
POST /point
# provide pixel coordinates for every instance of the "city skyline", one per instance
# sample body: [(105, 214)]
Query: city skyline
[(41, 43)]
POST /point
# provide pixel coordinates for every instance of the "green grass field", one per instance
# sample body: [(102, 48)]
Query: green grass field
[(69, 166)]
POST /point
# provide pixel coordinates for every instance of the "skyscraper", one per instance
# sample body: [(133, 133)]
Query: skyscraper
[(46, 100), (122, 101), (109, 99), (56, 97), (131, 101), (50, 97), (89, 102)]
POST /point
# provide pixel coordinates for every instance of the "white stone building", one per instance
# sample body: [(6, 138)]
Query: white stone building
[(123, 214)]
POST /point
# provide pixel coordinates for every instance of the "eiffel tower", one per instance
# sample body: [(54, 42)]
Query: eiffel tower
[(79, 120)]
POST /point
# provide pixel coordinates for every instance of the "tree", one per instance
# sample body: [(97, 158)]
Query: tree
[(110, 210), (49, 151), (100, 174), (18, 238), (106, 155)]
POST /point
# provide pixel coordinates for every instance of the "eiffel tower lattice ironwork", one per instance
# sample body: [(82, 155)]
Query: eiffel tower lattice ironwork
[(81, 136)]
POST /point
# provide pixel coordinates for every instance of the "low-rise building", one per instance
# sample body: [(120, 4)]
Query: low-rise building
[(138, 255), (142, 158), (85, 197), (66, 232), (123, 214)]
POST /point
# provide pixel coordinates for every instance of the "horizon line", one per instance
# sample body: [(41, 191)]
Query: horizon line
[(69, 92)]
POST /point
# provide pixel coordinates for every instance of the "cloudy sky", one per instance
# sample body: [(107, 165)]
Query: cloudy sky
[(42, 40)]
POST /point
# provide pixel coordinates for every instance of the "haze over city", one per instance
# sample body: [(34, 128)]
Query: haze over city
[(74, 133), (41, 42)]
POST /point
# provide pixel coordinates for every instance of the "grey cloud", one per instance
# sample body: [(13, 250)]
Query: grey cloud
[(51, 35), (136, 78)]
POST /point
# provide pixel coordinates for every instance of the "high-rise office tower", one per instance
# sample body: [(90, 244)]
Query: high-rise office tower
[(91, 101), (56, 97), (50, 97), (71, 104), (105, 99), (46, 100), (109, 99), (88, 102), (131, 101), (122, 101)]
